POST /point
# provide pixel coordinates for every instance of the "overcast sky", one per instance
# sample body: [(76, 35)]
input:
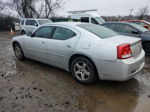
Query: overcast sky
[(106, 7)]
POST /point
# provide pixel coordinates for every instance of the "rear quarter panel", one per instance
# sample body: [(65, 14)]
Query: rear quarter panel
[(95, 47)]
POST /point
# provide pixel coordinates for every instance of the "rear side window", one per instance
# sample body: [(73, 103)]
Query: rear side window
[(98, 30), (31, 22), (22, 22), (123, 28), (85, 19), (43, 32), (62, 33)]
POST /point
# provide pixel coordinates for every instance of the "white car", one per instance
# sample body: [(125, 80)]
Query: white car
[(30, 24), (88, 51)]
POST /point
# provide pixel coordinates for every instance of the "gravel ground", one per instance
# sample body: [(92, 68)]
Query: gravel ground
[(30, 86)]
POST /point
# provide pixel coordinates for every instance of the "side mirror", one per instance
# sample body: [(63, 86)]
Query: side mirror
[(36, 24), (135, 32), (146, 26), (30, 34)]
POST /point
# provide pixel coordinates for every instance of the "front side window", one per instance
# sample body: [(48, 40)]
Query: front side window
[(43, 32), (62, 33), (100, 20), (94, 21), (31, 22), (98, 30), (85, 19)]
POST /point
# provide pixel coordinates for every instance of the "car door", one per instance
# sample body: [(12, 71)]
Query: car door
[(61, 46), (36, 44), (31, 25), (125, 29)]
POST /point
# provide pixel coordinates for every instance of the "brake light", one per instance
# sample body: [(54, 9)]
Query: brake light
[(124, 51)]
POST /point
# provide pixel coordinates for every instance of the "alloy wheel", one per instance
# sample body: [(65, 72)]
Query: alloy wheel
[(82, 70)]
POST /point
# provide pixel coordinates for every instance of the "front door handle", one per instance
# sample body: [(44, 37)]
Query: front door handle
[(69, 46)]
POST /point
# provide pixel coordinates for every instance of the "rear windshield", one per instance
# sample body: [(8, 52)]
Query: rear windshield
[(98, 30), (44, 21), (141, 28)]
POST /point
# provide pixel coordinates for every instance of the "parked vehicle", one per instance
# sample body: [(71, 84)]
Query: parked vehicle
[(88, 16), (132, 29), (141, 23), (88, 51), (30, 24)]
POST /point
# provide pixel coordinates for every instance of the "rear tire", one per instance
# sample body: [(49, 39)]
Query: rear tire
[(23, 32), (18, 51), (83, 70), (146, 47)]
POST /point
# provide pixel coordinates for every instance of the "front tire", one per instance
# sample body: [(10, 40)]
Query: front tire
[(83, 70), (18, 51)]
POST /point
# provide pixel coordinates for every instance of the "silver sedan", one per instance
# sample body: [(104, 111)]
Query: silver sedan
[(88, 51)]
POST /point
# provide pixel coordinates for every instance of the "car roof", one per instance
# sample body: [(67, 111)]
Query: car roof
[(120, 22), (64, 23)]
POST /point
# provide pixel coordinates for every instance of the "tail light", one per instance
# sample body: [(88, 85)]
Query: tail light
[(124, 51)]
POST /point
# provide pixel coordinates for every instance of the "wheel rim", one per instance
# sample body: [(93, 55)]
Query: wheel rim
[(18, 51), (82, 70)]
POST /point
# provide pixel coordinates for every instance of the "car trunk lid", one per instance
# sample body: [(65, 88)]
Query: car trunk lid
[(135, 43)]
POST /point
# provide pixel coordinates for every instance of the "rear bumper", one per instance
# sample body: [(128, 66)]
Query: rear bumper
[(120, 70)]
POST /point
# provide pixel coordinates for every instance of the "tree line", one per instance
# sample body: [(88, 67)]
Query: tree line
[(33, 8)]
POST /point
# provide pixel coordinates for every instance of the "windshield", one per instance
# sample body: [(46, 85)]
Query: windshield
[(140, 28), (100, 20), (98, 30), (44, 21)]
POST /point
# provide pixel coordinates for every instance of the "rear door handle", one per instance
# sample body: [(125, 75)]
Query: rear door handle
[(43, 42)]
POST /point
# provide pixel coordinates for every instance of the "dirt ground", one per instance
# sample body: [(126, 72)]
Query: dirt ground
[(30, 86)]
